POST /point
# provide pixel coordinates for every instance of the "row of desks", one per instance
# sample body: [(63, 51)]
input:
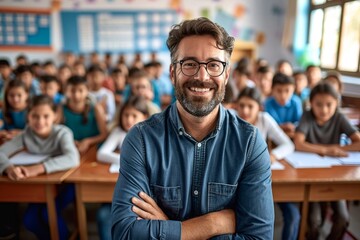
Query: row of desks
[(94, 184)]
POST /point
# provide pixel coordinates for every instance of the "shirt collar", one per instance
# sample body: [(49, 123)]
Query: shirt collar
[(175, 119)]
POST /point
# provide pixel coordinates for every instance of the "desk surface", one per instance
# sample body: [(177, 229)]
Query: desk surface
[(338, 174)]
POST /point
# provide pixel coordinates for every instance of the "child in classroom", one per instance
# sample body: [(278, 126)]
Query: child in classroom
[(119, 79), (79, 69), (49, 68), (5, 76), (64, 74), (285, 67), (240, 78), (24, 73), (96, 76), (42, 136), (301, 85), (319, 131), (140, 85), (50, 86), (283, 105), (249, 106), (14, 110), (334, 79), (313, 73), (82, 116), (133, 111), (264, 76)]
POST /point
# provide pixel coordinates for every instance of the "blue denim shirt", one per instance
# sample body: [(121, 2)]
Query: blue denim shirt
[(230, 168)]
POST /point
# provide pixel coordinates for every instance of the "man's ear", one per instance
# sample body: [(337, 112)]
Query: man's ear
[(227, 75), (172, 73)]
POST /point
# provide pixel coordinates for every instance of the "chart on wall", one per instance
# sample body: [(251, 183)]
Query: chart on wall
[(110, 31), (25, 29)]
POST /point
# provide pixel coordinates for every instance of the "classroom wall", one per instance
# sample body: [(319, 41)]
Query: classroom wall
[(257, 20)]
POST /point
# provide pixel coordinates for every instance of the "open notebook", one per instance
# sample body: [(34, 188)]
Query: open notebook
[(26, 158)]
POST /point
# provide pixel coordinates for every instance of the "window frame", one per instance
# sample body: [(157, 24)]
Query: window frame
[(323, 6)]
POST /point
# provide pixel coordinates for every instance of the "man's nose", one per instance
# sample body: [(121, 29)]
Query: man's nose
[(202, 73)]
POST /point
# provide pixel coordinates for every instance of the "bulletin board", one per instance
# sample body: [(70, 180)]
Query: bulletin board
[(116, 31), (25, 30)]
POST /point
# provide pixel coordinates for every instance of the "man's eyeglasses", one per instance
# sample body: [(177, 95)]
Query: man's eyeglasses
[(191, 67)]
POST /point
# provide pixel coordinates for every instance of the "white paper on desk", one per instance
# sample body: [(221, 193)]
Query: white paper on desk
[(352, 159), (334, 161), (277, 166), (307, 160), (26, 158), (114, 168)]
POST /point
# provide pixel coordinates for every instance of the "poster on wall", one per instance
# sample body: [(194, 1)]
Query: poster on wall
[(116, 31)]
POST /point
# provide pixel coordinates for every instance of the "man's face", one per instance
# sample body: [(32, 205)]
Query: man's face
[(201, 93)]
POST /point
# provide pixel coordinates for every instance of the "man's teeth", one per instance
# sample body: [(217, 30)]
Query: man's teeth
[(200, 89)]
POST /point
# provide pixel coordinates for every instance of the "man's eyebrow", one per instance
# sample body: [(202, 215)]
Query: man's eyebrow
[(208, 59)]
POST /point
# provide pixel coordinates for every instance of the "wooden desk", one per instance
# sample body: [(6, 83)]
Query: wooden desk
[(40, 189), (94, 184), (312, 185)]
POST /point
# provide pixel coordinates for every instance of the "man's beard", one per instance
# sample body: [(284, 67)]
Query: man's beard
[(199, 106)]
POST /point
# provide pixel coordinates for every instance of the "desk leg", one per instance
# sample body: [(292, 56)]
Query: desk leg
[(304, 213), (50, 201), (81, 213)]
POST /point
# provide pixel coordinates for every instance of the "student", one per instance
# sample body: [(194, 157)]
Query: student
[(50, 86), (264, 76), (133, 111), (21, 60), (249, 108), (334, 79), (285, 67), (313, 74), (86, 120), (36, 69), (79, 69), (96, 76), (42, 136), (119, 79), (164, 84), (301, 85), (49, 68), (64, 74), (240, 79), (14, 110), (5, 76), (319, 132), (23, 72), (283, 105), (140, 85)]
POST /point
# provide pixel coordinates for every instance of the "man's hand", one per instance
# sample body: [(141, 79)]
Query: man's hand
[(146, 208)]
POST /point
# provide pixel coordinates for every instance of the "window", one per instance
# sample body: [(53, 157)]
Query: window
[(335, 31)]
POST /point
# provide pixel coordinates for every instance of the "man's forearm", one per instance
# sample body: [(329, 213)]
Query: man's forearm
[(209, 225)]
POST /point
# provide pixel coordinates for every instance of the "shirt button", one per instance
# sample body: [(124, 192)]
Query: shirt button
[(196, 192), (199, 145), (181, 133)]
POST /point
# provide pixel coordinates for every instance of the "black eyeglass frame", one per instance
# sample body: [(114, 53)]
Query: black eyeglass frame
[(205, 63)]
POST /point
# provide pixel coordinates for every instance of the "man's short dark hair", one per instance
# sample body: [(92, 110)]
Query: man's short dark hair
[(282, 79), (199, 26)]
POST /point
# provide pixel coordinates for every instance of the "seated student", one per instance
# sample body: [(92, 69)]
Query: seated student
[(285, 67), (49, 68), (86, 120), (23, 72), (264, 76), (96, 76), (164, 83), (36, 69), (14, 110), (301, 88), (20, 60), (79, 69), (240, 79), (119, 79), (319, 132), (133, 111), (50, 86), (334, 79), (228, 101), (5, 76), (64, 74), (42, 136), (283, 105), (150, 69), (313, 74), (249, 105), (141, 86)]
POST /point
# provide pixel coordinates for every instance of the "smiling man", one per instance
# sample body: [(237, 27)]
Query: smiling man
[(194, 171)]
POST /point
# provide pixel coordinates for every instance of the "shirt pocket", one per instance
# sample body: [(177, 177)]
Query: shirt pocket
[(168, 199), (220, 196)]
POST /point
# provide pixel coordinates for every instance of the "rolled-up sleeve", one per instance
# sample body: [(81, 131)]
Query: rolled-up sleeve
[(133, 178), (254, 203)]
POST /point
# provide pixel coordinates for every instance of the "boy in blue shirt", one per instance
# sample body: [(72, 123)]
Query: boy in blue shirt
[(50, 85), (283, 105)]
